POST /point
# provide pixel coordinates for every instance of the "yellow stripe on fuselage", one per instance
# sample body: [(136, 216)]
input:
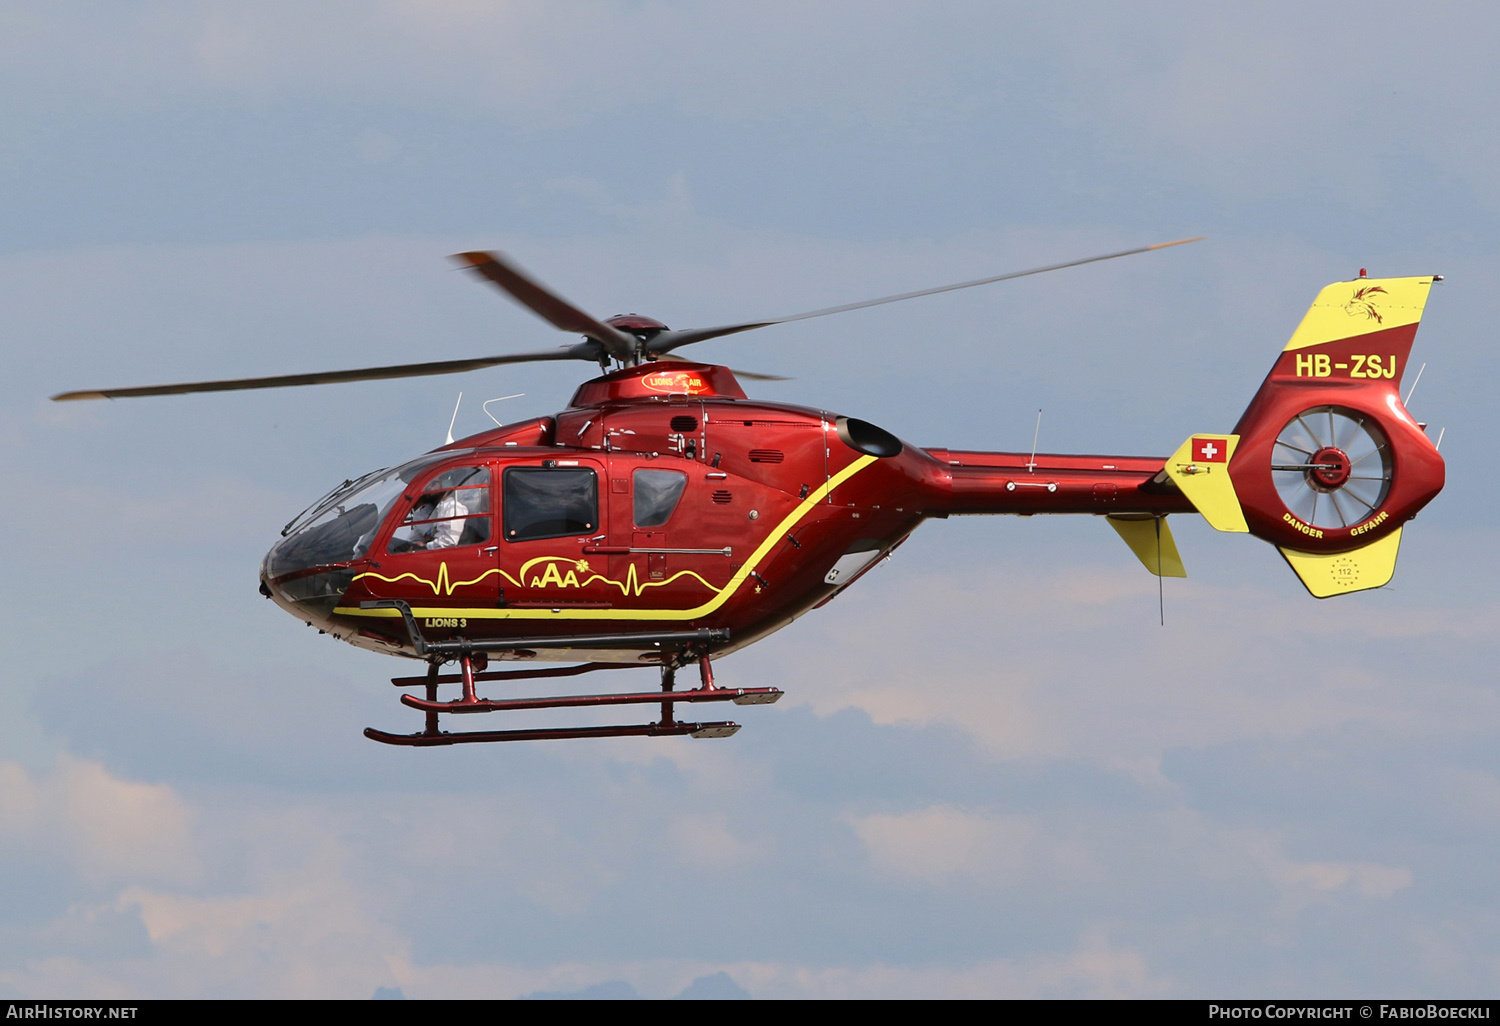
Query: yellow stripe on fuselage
[(740, 576)]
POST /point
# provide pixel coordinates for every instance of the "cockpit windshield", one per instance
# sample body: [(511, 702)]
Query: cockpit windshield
[(341, 526)]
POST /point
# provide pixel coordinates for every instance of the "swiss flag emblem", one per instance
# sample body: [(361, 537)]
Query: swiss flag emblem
[(1210, 450)]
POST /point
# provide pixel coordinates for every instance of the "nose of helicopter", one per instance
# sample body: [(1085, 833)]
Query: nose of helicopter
[(310, 594), (308, 569)]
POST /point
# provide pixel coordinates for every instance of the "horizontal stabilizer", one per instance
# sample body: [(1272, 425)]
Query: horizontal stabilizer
[(1200, 468), (1340, 573), (1150, 539)]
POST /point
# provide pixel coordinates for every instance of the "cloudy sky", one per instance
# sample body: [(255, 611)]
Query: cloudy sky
[(993, 774)]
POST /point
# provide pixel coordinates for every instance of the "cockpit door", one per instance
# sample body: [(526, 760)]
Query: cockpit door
[(435, 541), (550, 512)]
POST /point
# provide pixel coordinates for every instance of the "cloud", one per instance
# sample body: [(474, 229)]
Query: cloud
[(1366, 879), (1325, 97), (1330, 99), (302, 933), (941, 844), (1075, 670), (105, 827), (706, 840), (1095, 968), (528, 62)]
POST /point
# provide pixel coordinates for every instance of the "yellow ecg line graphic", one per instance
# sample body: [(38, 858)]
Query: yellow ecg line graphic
[(631, 587)]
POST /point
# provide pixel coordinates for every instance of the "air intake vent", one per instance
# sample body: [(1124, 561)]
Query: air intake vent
[(722, 497), (684, 425), (766, 456)]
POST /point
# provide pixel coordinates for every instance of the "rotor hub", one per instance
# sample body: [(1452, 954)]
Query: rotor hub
[(635, 324), (1329, 469)]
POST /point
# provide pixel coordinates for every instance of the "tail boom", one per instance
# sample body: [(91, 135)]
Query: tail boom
[(1018, 483), (1325, 463)]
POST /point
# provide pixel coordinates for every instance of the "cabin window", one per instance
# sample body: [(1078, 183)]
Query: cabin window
[(550, 502), (656, 495), (453, 510), (340, 526)]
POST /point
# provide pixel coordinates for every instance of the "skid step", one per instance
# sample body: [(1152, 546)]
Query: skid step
[(739, 696), (699, 730)]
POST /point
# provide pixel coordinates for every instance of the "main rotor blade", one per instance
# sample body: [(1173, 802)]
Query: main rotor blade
[(669, 340), (545, 303), (757, 376), (581, 351), (747, 375)]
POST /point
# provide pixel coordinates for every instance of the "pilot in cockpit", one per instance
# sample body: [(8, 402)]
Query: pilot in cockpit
[(446, 514)]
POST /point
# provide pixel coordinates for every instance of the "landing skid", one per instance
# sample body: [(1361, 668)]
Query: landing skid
[(477, 736), (472, 666)]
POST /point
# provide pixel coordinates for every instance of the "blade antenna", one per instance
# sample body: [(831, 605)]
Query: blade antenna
[(454, 419), (1409, 391), (1031, 464), (501, 399)]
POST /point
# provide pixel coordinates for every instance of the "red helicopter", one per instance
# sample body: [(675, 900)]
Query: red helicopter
[(666, 518)]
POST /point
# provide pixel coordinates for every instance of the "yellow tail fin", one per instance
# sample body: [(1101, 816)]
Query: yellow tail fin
[(1340, 573), (1200, 468), (1151, 540)]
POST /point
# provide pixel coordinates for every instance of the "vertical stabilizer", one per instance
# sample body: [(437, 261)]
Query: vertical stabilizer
[(1326, 463)]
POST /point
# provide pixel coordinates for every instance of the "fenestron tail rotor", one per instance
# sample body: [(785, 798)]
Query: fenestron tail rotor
[(1332, 466), (626, 340)]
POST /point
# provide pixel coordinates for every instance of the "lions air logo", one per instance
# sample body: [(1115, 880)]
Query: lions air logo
[(550, 577), (676, 382), (1363, 302)]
